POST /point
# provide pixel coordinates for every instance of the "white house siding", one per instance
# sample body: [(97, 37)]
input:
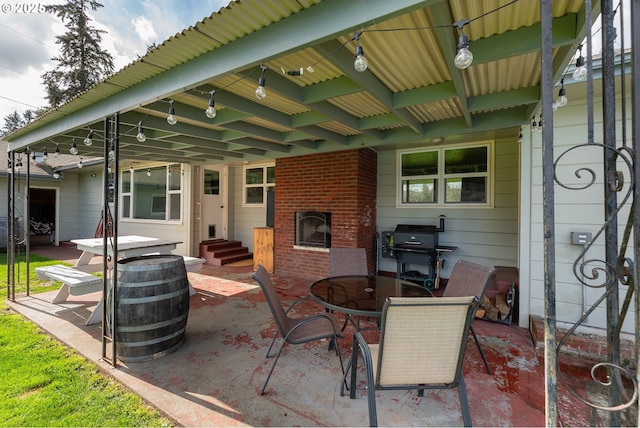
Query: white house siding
[(242, 220), (575, 211), (68, 208), (90, 204), (4, 224), (483, 235), (4, 214)]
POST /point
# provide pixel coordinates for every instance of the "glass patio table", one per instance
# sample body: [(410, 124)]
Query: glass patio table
[(362, 296)]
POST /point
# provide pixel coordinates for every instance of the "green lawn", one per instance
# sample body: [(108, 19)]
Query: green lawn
[(47, 384), (35, 285)]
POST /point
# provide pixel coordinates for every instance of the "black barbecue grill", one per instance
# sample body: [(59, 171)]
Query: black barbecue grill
[(417, 244)]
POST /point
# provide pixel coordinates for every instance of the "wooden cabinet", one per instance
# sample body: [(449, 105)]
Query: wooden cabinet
[(263, 248)]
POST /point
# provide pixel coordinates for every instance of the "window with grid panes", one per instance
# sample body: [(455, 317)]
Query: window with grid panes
[(257, 179), (445, 176)]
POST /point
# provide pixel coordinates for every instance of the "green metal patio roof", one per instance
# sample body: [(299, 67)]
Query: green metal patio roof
[(411, 92)]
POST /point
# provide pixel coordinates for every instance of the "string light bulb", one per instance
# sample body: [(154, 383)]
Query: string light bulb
[(80, 163), (539, 129), (360, 63), (56, 153), (520, 138), (112, 152), (211, 111), (580, 73), (171, 119), (89, 138), (261, 93), (464, 57), (140, 136), (56, 174), (74, 148), (19, 164), (131, 168), (148, 172), (45, 155), (561, 101)]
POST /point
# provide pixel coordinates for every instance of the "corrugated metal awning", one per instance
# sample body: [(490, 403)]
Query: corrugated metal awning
[(411, 91)]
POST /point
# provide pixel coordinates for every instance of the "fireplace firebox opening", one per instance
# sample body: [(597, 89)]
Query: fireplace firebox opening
[(313, 229)]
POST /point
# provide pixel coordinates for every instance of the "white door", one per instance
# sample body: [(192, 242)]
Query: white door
[(213, 215)]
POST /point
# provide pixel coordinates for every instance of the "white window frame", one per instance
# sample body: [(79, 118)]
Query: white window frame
[(264, 185), (441, 177), (167, 194)]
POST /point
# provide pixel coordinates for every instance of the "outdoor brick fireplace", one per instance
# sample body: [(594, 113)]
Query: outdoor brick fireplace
[(313, 229), (341, 184)]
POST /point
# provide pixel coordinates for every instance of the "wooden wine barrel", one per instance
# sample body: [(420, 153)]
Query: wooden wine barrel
[(152, 306)]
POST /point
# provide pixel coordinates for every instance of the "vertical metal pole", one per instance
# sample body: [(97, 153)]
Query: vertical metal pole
[(635, 120), (11, 215), (106, 329), (27, 220), (589, 23), (610, 193), (116, 143), (10, 159), (550, 359)]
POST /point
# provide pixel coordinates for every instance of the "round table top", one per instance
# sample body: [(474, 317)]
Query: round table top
[(362, 295)]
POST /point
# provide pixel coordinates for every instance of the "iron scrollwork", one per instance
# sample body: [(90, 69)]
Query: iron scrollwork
[(598, 273)]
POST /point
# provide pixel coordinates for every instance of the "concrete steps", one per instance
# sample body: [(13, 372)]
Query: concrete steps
[(218, 252)]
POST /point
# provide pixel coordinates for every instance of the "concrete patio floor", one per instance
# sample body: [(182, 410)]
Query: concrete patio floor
[(215, 377)]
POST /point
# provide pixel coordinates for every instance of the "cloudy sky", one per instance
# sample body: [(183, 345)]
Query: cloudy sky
[(27, 40)]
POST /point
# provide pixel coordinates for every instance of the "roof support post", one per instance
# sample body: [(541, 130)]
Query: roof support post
[(550, 358)]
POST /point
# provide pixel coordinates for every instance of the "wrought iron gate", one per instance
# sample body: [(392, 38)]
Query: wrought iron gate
[(609, 268)]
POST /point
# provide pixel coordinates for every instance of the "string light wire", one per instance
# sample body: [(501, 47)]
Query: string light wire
[(299, 71)]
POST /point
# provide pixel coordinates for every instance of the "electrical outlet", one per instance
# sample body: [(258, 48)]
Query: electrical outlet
[(580, 238)]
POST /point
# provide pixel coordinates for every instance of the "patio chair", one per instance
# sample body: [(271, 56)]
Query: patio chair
[(422, 345), (469, 279), (295, 331), (348, 261)]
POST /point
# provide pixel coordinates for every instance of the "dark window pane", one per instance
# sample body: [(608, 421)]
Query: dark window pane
[(126, 181), (419, 191), (255, 195), (126, 206), (464, 190), (211, 182), (174, 206), (150, 193), (422, 163), (175, 176), (271, 174), (467, 160), (254, 176)]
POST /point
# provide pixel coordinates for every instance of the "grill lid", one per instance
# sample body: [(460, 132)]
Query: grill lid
[(415, 236)]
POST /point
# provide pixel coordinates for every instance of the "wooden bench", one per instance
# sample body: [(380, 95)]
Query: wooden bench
[(74, 282)]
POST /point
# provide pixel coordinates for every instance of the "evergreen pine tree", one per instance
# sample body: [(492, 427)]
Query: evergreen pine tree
[(81, 63), (13, 121)]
